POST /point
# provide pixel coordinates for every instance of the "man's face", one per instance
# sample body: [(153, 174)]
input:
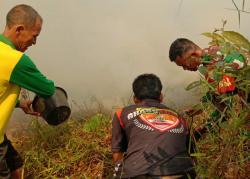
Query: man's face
[(190, 60), (28, 35)]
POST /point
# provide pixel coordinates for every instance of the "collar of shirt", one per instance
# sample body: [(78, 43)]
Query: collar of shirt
[(150, 101), (6, 41)]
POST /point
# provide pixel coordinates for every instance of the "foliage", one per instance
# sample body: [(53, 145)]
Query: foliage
[(75, 149), (229, 40), (223, 151)]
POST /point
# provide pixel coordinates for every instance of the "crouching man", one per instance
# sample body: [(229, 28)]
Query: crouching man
[(149, 140)]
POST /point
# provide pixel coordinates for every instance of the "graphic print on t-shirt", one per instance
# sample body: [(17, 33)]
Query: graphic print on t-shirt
[(159, 119)]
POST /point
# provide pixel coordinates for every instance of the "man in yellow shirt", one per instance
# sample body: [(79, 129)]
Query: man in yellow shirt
[(23, 25)]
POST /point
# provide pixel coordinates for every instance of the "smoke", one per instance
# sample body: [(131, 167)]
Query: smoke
[(97, 48)]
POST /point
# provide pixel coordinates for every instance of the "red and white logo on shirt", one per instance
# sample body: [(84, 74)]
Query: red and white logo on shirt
[(160, 119)]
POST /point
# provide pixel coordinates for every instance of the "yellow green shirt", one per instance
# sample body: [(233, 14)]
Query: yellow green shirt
[(17, 71)]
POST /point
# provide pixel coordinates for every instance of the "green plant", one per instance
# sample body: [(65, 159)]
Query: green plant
[(223, 152), (70, 150)]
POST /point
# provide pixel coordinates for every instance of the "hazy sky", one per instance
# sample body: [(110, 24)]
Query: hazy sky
[(97, 47)]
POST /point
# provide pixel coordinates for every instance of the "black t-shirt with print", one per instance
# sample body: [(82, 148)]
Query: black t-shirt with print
[(153, 138)]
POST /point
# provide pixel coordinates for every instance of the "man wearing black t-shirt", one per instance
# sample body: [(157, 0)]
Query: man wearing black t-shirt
[(149, 139)]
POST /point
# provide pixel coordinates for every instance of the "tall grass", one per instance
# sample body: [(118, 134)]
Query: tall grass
[(75, 149), (223, 152), (81, 149)]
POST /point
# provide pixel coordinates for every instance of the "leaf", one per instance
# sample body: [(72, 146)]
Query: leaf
[(193, 85), (246, 72), (237, 39), (209, 85), (217, 76), (207, 34), (198, 154), (214, 36)]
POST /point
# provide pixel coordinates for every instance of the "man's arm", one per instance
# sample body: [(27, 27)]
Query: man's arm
[(119, 142), (26, 75)]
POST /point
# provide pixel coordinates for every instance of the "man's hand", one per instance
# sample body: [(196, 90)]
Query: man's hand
[(117, 159), (117, 156), (212, 50), (25, 105)]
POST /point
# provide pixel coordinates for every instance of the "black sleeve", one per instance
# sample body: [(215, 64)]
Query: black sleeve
[(119, 142)]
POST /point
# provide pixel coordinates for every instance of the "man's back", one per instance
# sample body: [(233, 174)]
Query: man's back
[(154, 139)]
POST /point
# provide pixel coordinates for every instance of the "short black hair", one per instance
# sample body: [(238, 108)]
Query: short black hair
[(22, 14), (180, 46), (147, 86)]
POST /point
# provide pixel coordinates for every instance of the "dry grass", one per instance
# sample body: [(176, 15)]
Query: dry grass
[(223, 152), (81, 149), (76, 149)]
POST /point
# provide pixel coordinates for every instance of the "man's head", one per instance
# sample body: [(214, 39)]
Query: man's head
[(185, 53), (147, 86), (23, 25)]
